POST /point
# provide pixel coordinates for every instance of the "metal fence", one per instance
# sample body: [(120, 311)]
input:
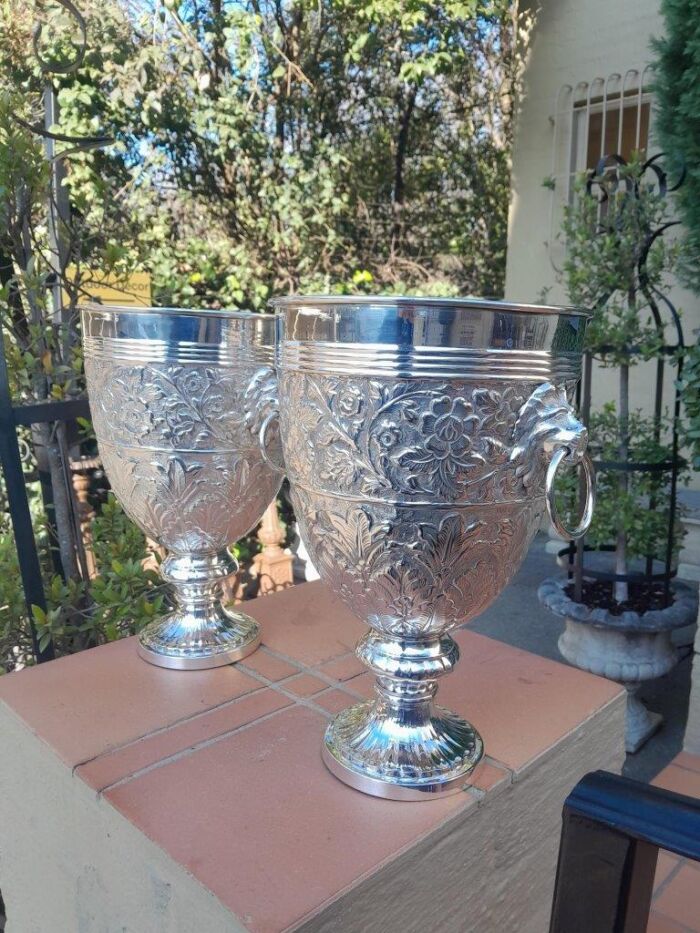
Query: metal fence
[(11, 418)]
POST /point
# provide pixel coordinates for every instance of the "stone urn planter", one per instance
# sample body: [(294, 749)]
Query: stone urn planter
[(629, 648)]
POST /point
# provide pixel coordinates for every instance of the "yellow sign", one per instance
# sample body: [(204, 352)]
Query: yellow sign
[(134, 291)]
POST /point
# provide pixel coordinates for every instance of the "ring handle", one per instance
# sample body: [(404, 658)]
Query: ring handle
[(266, 445), (561, 454)]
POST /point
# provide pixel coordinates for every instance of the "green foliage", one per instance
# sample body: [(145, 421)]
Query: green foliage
[(690, 389), (646, 527), (259, 148), (119, 600), (264, 149), (677, 116), (605, 240), (616, 263)]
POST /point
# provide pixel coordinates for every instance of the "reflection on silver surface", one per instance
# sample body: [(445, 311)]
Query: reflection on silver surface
[(177, 399), (417, 435)]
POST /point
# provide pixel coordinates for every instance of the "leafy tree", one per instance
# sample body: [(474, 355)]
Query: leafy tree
[(677, 115), (272, 147), (617, 265), (258, 147), (677, 95)]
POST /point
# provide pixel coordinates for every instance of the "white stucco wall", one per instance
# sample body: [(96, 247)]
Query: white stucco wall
[(573, 42)]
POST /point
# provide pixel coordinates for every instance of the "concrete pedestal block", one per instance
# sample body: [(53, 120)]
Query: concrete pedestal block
[(138, 799)]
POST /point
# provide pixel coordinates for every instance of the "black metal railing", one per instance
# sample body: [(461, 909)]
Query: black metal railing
[(56, 413), (11, 417), (612, 830)]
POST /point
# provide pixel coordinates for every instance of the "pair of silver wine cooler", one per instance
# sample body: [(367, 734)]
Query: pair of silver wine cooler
[(420, 438)]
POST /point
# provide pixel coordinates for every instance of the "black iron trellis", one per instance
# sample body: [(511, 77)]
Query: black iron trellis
[(51, 412), (606, 178)]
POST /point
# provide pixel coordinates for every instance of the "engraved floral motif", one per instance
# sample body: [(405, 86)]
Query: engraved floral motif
[(413, 571), (180, 447), (190, 504), (420, 439), (348, 400), (178, 406), (448, 428)]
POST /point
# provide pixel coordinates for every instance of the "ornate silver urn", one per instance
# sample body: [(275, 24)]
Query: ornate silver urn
[(177, 398), (421, 438)]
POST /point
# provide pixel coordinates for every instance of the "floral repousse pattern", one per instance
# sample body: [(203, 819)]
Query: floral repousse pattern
[(179, 405), (191, 504), (179, 444), (451, 441), (418, 499), (414, 571)]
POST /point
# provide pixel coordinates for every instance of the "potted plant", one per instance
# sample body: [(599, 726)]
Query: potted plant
[(621, 601)]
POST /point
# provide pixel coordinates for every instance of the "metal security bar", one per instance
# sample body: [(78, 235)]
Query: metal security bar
[(590, 120), (612, 830)]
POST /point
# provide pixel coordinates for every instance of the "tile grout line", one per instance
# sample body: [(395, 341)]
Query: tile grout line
[(682, 928), (250, 672), (306, 668), (675, 764), (212, 740), (667, 880), (162, 729), (278, 688), (183, 753)]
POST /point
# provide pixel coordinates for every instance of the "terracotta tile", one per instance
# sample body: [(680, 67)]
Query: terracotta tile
[(245, 825), (665, 864), (521, 704), (364, 685), (307, 622), (687, 760), (680, 899), (269, 666), (660, 924), (305, 685), (125, 761), (88, 703), (487, 776), (343, 668), (679, 780), (335, 700)]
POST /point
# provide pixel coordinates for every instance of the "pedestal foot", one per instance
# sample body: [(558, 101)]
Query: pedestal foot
[(200, 633), (388, 753), (172, 642), (640, 723)]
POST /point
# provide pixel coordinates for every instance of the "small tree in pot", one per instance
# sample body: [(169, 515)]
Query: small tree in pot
[(619, 619)]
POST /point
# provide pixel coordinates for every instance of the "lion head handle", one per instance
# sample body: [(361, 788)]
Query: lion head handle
[(545, 424)]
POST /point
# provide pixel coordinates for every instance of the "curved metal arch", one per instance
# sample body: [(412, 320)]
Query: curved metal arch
[(54, 67)]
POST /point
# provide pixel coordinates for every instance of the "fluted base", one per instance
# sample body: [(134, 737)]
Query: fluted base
[(200, 633), (173, 642), (408, 753)]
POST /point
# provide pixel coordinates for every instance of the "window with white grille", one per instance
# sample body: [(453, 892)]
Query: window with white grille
[(605, 116)]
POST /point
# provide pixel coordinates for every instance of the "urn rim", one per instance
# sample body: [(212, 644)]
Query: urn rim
[(496, 305), (94, 307)]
